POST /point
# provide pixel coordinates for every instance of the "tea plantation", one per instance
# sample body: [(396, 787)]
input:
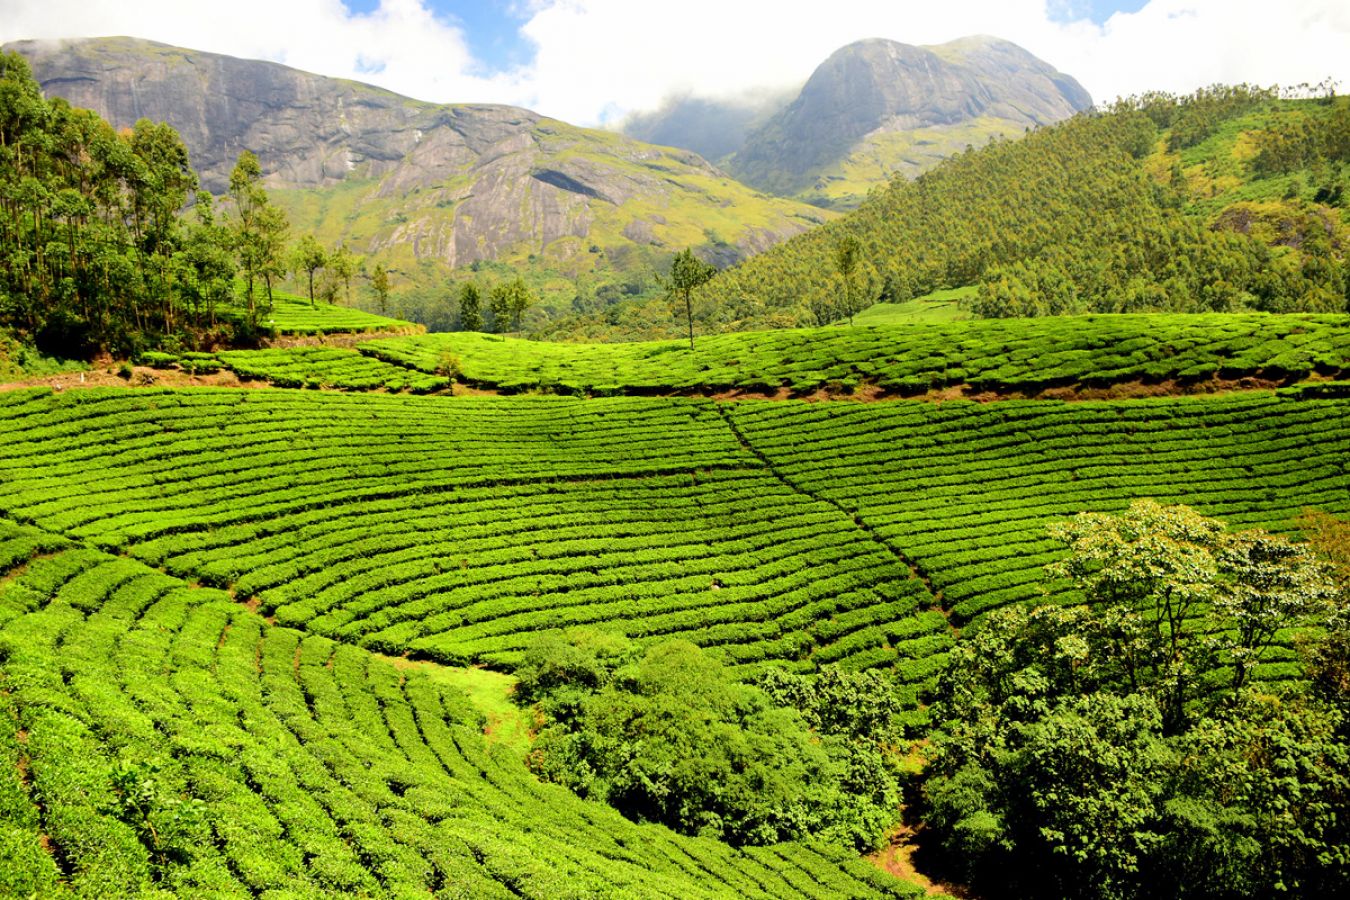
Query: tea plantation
[(292, 315), (1016, 355), (313, 768), (201, 584)]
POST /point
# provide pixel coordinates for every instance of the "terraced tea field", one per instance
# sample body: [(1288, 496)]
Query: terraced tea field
[(328, 367), (292, 315), (207, 578), (457, 529), (997, 355), (967, 489), (321, 769)]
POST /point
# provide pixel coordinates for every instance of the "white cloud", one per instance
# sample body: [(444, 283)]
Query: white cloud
[(598, 59)]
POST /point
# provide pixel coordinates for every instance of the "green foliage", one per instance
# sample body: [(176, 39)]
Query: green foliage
[(309, 256), (95, 251), (162, 739), (379, 283), (1065, 747), (323, 367), (1170, 565), (470, 318), (687, 273), (507, 301), (259, 234), (1089, 215), (292, 315), (669, 736), (167, 823)]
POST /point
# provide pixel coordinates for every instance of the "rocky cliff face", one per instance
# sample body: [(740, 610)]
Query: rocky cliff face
[(449, 184), (877, 108)]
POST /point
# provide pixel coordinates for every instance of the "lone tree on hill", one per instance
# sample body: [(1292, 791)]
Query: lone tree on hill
[(379, 280), (499, 302), (470, 308), (343, 263), (518, 299), (309, 256), (846, 251), (688, 272)]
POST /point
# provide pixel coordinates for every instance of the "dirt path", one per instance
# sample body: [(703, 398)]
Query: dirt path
[(141, 376)]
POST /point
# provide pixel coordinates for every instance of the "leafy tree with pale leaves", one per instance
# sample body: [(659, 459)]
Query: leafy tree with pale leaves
[(687, 273), (308, 256), (379, 281)]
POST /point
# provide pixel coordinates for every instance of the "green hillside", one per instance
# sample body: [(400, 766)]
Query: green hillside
[(731, 525), (1226, 200), (215, 598), (279, 763), (982, 354), (293, 315)]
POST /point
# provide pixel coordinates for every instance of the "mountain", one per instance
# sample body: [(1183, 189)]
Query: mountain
[(1230, 199), (428, 187), (874, 109)]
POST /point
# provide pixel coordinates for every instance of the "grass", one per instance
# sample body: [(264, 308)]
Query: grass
[(490, 692), (18, 362)]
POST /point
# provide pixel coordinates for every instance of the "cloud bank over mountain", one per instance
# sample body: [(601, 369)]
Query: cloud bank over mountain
[(596, 61)]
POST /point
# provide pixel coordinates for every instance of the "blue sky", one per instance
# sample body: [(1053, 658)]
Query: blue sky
[(1095, 11), (491, 27)]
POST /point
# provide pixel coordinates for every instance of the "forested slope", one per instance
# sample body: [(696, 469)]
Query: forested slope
[(1230, 199)]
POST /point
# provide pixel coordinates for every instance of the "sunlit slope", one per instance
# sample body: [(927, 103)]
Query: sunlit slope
[(984, 354), (1225, 201), (275, 763), (967, 489), (458, 528)]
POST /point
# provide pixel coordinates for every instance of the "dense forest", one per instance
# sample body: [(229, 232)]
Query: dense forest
[(1232, 198)]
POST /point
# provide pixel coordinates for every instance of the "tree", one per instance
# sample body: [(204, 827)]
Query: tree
[(687, 273), (499, 302), (260, 231), (519, 299), (379, 280), (1168, 564), (248, 196), (343, 263), (271, 236), (308, 256), (470, 308), (846, 250), (668, 735), (205, 262), (1052, 772)]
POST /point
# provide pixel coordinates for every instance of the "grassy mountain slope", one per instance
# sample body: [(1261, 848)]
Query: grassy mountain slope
[(873, 110), (878, 107), (429, 189), (1225, 200)]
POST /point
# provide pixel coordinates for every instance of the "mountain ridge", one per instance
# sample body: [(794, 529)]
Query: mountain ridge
[(873, 109), (431, 188)]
